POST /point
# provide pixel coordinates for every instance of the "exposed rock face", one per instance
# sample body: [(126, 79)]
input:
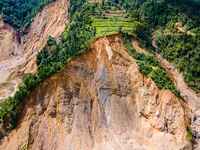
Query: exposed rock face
[(101, 101), (8, 41), (51, 21)]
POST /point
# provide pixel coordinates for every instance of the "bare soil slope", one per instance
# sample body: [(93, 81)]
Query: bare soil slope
[(101, 101)]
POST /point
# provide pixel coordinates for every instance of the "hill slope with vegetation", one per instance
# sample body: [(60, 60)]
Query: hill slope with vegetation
[(166, 18), (138, 18)]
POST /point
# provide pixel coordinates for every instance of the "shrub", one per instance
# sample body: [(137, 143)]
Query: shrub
[(53, 49), (189, 133), (146, 62), (51, 41), (187, 128), (144, 68)]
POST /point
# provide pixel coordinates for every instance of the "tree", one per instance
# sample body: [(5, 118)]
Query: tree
[(137, 28), (53, 49), (51, 41), (29, 80), (119, 29), (103, 2), (92, 9)]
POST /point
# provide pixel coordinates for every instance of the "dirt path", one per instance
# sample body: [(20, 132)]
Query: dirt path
[(153, 41), (182, 29)]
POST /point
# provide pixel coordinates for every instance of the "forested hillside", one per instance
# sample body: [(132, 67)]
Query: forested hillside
[(20, 13), (176, 27), (158, 13)]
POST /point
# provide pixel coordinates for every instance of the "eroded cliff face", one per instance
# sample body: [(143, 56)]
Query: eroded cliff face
[(51, 21), (101, 101), (9, 41)]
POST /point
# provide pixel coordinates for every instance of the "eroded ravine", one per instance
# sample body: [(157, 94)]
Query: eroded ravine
[(19, 57)]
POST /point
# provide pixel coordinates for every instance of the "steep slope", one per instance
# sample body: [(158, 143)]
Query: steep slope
[(9, 45), (192, 98), (189, 95), (9, 41), (100, 101), (50, 22)]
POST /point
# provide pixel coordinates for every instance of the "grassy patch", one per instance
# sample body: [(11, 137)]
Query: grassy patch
[(122, 55)]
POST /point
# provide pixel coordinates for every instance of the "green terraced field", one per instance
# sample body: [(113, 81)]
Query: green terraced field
[(110, 25), (110, 21)]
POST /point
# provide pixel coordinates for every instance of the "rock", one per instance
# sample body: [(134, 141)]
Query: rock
[(158, 114)]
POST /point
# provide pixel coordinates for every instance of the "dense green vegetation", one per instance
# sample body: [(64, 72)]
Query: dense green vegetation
[(20, 13), (139, 56), (183, 50), (189, 133), (160, 12), (146, 62)]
